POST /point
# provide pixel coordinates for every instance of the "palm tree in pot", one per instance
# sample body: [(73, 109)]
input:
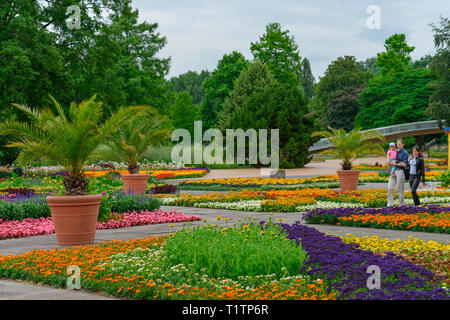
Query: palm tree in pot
[(130, 143), (348, 146), (67, 137)]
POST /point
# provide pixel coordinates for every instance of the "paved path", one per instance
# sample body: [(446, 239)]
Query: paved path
[(15, 290)]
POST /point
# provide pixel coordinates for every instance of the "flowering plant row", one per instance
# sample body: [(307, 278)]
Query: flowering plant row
[(431, 255), (33, 227), (429, 218), (345, 266), (255, 182), (295, 200)]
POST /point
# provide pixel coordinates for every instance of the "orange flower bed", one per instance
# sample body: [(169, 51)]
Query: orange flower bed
[(50, 267), (412, 222)]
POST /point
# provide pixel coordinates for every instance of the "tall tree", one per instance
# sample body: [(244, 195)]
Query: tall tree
[(255, 78), (439, 106), (343, 107), (192, 82), (423, 62), (395, 99), (396, 57), (184, 112), (279, 51), (307, 78), (258, 101), (370, 65), (219, 85)]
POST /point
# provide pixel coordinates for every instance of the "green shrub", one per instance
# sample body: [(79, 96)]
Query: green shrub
[(18, 210), (245, 250), (132, 202)]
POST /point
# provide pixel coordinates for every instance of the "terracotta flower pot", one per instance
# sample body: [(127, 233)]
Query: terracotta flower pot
[(348, 179), (75, 218), (135, 183)]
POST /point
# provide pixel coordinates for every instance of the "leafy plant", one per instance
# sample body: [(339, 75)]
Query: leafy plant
[(351, 145), (67, 137), (241, 250), (131, 141)]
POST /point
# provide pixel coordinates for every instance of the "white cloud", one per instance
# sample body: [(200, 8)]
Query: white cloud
[(200, 32)]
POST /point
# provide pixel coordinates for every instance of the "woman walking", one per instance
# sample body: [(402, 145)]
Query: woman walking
[(416, 172)]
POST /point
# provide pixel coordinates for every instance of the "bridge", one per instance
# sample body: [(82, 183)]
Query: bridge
[(392, 132)]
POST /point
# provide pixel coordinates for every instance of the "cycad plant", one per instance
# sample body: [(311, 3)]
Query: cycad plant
[(132, 140), (351, 145), (67, 137)]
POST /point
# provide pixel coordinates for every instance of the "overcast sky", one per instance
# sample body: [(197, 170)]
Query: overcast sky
[(200, 32)]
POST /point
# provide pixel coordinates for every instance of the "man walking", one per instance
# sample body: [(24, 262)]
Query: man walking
[(398, 179)]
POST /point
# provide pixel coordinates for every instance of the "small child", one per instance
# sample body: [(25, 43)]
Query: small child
[(392, 156)]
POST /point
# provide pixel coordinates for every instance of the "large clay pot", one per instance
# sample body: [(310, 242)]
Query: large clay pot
[(135, 183), (348, 179), (75, 218)]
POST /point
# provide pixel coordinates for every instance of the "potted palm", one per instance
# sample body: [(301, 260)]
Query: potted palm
[(131, 142), (67, 137), (349, 146)]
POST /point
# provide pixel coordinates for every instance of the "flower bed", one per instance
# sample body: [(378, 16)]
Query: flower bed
[(321, 267), (430, 218), (345, 265), (259, 182), (431, 255), (33, 227), (151, 268), (19, 207), (296, 200)]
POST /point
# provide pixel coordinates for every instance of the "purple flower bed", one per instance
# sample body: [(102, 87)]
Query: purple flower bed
[(330, 216), (345, 267)]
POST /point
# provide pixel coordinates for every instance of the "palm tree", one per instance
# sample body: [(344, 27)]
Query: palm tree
[(352, 145), (67, 137), (131, 141)]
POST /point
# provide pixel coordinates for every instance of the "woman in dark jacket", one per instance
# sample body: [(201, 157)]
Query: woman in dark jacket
[(416, 173)]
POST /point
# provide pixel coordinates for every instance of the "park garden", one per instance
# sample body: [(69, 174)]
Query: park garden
[(94, 156)]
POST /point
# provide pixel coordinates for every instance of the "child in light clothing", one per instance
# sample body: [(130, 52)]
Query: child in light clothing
[(392, 156)]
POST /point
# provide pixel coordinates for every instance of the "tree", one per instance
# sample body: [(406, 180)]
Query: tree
[(370, 65), (111, 54), (184, 112), (342, 73), (307, 78), (66, 137), (30, 65), (219, 85), (396, 57), (343, 107), (255, 78), (439, 104), (279, 52), (399, 98), (258, 101), (423, 62), (192, 82)]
